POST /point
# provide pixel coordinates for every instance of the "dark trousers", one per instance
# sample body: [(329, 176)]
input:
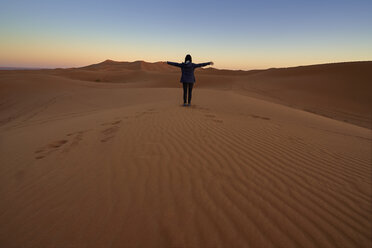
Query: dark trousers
[(187, 87)]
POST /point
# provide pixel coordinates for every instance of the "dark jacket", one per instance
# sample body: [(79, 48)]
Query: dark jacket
[(188, 70)]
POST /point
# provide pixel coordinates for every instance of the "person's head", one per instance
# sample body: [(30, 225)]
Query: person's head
[(188, 58)]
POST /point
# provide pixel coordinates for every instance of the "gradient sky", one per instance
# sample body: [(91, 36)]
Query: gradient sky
[(234, 34)]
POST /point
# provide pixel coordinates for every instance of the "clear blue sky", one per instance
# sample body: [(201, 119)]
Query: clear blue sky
[(233, 34)]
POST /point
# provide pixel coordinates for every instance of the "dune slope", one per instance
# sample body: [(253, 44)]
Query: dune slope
[(341, 91)]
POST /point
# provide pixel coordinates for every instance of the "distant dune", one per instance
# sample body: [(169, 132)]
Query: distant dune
[(106, 156), (110, 65), (19, 68)]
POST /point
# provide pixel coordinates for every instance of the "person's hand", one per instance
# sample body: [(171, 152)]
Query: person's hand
[(212, 63)]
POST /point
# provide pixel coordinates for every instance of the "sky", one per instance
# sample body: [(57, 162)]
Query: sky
[(234, 34)]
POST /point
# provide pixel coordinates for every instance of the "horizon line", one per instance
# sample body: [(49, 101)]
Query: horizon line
[(4, 68)]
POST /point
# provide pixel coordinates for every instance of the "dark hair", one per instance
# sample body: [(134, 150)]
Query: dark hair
[(188, 57)]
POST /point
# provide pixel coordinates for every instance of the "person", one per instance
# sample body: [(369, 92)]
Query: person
[(188, 78)]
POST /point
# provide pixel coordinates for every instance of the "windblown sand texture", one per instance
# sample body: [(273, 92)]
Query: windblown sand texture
[(106, 156)]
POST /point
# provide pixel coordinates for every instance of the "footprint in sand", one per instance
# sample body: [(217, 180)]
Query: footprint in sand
[(146, 112), (110, 132), (77, 137), (111, 123), (50, 148), (212, 118), (46, 150), (260, 117), (57, 144)]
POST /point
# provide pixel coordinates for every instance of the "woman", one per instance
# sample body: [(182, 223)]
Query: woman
[(188, 78)]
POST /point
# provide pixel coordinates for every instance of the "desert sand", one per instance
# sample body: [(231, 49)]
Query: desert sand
[(106, 156)]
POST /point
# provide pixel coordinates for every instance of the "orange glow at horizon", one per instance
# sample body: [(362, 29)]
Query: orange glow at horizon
[(53, 52)]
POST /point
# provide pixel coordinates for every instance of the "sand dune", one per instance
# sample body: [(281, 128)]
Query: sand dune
[(111, 65), (340, 91), (120, 163)]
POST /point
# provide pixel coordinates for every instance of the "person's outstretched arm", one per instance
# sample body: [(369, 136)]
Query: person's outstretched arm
[(174, 64), (203, 64)]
